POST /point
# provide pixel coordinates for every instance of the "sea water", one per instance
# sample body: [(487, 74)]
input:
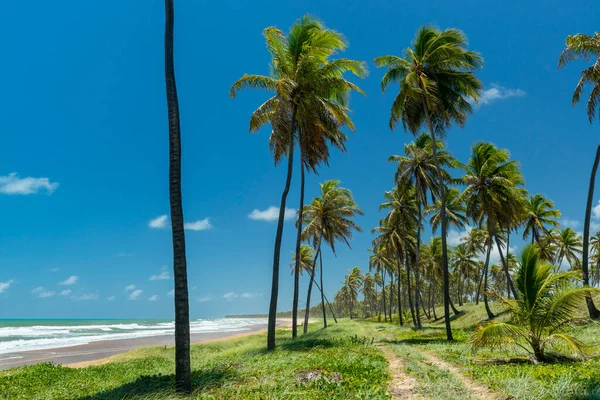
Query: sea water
[(23, 335)]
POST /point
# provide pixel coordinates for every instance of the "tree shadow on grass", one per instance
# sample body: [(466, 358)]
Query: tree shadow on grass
[(306, 344), (163, 386)]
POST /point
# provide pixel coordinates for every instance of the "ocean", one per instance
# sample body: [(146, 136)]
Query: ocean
[(20, 335)]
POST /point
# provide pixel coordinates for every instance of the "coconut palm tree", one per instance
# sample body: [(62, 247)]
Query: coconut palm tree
[(183, 372), (329, 218), (492, 194), (539, 213), (379, 262), (368, 291), (568, 245), (353, 281), (546, 308), (307, 260), (418, 168), (455, 211), (437, 85), (586, 47), (309, 106), (465, 266)]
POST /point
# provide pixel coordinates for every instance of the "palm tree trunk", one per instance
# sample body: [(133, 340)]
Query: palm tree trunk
[(383, 291), (321, 289), (454, 310), (407, 267), (377, 305), (485, 281), (298, 242), (593, 311), (418, 254), (277, 250), (509, 282), (477, 295), (312, 279), (444, 221), (391, 295), (327, 301), (183, 372), (399, 292), (423, 307)]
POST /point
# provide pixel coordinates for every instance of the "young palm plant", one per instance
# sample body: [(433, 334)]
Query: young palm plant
[(437, 85), (309, 107), (586, 47), (546, 308)]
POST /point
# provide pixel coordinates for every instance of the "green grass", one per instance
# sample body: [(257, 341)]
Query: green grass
[(348, 365)]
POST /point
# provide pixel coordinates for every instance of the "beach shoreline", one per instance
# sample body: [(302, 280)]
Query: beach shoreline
[(101, 352)]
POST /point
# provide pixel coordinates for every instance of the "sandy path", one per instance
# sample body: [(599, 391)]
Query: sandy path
[(402, 386)]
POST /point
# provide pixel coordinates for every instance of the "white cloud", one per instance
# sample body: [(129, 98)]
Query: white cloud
[(135, 294), (248, 295), (455, 238), (171, 293), (37, 289), (70, 280), (230, 296), (200, 225), (5, 285), (497, 92), (12, 184), (158, 222), (164, 274), (65, 292), (110, 298), (204, 299), (570, 223), (129, 287), (153, 298), (49, 293), (56, 269), (86, 297), (271, 214)]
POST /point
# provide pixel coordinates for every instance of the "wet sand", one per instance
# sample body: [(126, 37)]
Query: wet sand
[(96, 353)]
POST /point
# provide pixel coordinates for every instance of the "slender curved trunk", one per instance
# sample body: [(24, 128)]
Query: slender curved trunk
[(477, 295), (407, 267), (399, 292), (485, 281), (423, 307), (593, 311), (298, 243), (321, 289), (454, 310), (444, 224), (312, 279), (377, 305), (383, 291), (327, 301), (509, 283), (418, 255), (183, 372), (277, 250), (391, 295)]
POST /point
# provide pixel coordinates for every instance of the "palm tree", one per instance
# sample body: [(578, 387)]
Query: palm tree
[(437, 84), (328, 218), (465, 266), (368, 290), (353, 281), (540, 212), (492, 194), (183, 372), (307, 261), (455, 211), (379, 262), (418, 167), (309, 106), (547, 307), (586, 47), (568, 244)]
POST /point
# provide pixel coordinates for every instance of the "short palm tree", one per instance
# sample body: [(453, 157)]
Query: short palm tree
[(309, 107), (568, 245), (586, 47), (437, 85), (328, 218), (539, 213), (546, 308)]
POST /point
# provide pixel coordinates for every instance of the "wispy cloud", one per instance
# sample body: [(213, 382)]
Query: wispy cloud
[(129, 287), (153, 298), (49, 293), (70, 280), (12, 184), (158, 222), (110, 298), (135, 294), (37, 289), (171, 292), (230, 296), (200, 225), (271, 214), (65, 292), (55, 269), (248, 295), (570, 223), (5, 285), (204, 299), (164, 275), (90, 296), (497, 92), (124, 254)]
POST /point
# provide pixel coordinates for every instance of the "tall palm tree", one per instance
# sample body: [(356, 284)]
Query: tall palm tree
[(586, 47), (379, 262), (307, 262), (492, 194), (329, 218), (437, 84), (419, 167), (309, 106), (368, 290), (568, 245), (540, 212), (465, 266), (353, 281), (455, 211), (183, 372)]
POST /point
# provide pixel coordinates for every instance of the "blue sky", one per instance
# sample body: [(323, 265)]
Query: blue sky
[(83, 165)]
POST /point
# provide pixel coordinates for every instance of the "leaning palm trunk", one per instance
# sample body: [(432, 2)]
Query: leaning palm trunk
[(444, 221), (321, 289), (277, 251), (328, 303), (407, 267), (312, 279), (298, 243), (183, 372), (593, 311), (399, 293), (485, 281), (383, 291), (509, 283), (418, 252)]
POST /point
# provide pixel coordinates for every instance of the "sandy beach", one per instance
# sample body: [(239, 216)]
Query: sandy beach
[(100, 352)]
